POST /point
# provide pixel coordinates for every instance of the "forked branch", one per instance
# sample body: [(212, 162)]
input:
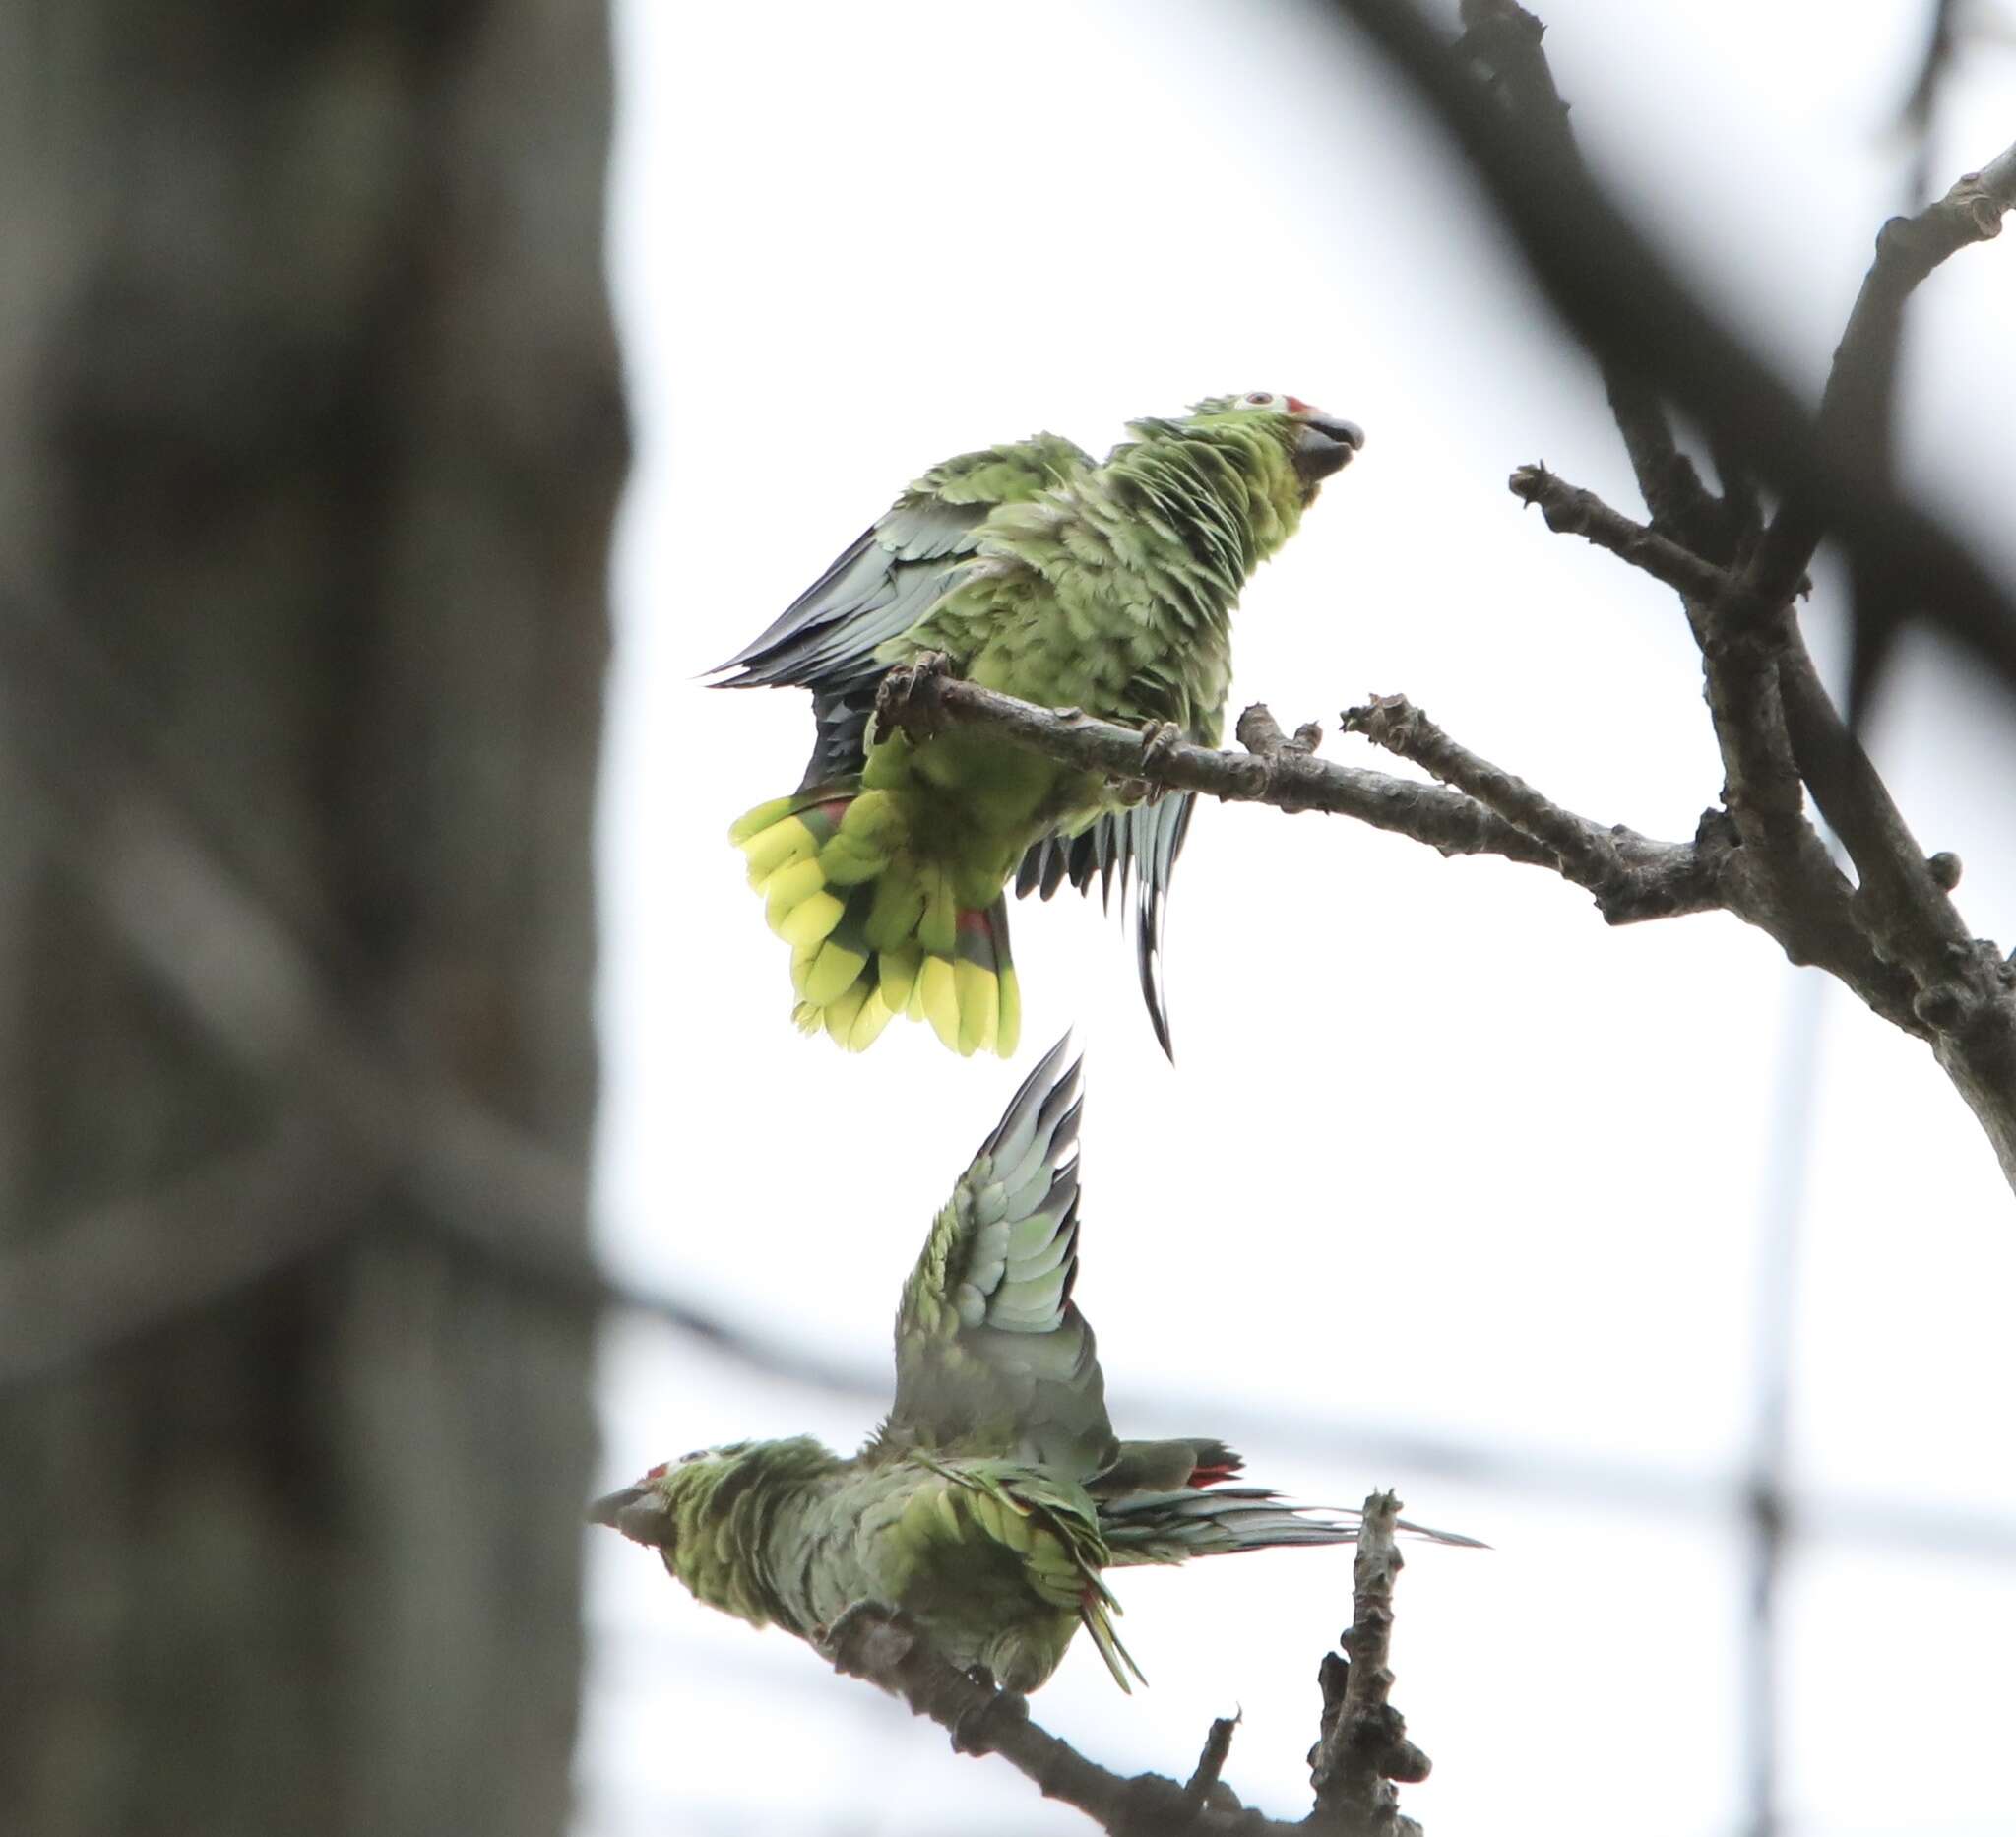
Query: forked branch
[(1361, 1747)]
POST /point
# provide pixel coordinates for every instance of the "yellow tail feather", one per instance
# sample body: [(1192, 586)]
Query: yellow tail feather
[(811, 920), (939, 988), (790, 888), (899, 971), (752, 823), (842, 1012), (1009, 1034), (875, 932), (875, 1015), (979, 1005), (777, 847), (835, 971)]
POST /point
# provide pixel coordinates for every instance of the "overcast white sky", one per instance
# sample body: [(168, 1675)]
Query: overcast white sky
[(1443, 1157)]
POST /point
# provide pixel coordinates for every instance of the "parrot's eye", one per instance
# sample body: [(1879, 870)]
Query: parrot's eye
[(684, 1459), (1261, 399)]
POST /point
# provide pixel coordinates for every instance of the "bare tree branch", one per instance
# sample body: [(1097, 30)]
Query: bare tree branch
[(883, 1647), (1202, 1787), (1896, 938), (1906, 953), (1624, 303), (1639, 877), (1631, 877), (1363, 1748)]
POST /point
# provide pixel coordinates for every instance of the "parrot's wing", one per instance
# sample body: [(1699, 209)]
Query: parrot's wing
[(1140, 843), (991, 1355), (892, 575)]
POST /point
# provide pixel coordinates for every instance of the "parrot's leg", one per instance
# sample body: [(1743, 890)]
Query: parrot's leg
[(858, 1626)]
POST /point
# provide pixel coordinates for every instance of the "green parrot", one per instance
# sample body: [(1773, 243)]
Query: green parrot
[(994, 1497), (1040, 574)]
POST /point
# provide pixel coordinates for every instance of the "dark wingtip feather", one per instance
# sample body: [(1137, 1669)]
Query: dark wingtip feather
[(1038, 1091), (1148, 958)]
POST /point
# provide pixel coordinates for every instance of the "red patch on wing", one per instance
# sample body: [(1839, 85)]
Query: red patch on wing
[(971, 920), (833, 809), (1202, 1476), (1297, 406)]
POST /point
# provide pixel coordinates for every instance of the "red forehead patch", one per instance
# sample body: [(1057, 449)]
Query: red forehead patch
[(1297, 406), (654, 1472)]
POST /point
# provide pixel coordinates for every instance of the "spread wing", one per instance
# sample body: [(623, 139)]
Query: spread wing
[(991, 1355), (895, 570)]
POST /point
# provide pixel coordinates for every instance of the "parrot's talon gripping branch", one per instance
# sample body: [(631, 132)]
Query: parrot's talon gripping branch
[(1159, 738), (908, 697), (1362, 1747), (869, 1640), (980, 1728)]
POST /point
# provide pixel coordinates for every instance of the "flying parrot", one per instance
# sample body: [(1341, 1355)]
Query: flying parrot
[(994, 1499), (1040, 574)]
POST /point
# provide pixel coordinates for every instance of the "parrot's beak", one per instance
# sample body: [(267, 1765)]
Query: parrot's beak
[(637, 1512), (1324, 445)]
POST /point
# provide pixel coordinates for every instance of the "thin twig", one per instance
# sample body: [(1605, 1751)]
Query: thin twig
[(1202, 1787), (1568, 510), (1632, 878), (1505, 43), (1855, 408)]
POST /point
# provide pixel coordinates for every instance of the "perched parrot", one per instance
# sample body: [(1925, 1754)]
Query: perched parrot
[(1040, 574), (994, 1497)]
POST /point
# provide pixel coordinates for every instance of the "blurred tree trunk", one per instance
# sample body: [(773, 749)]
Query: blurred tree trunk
[(310, 435)]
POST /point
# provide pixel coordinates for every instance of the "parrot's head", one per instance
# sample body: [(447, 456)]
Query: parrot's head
[(682, 1508), (1317, 444), (647, 1512)]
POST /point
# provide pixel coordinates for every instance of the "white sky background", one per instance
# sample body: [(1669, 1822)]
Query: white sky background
[(1443, 1157)]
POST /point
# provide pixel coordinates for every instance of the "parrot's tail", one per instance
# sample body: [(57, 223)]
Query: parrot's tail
[(874, 929), (1172, 1527)]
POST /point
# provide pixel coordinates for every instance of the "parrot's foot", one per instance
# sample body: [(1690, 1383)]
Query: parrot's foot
[(1159, 740), (905, 698), (868, 1640), (976, 1729)]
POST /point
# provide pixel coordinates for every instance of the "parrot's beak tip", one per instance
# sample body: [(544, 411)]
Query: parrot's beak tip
[(1325, 445)]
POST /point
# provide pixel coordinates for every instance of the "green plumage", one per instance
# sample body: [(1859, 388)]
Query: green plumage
[(995, 1495), (1109, 588)]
